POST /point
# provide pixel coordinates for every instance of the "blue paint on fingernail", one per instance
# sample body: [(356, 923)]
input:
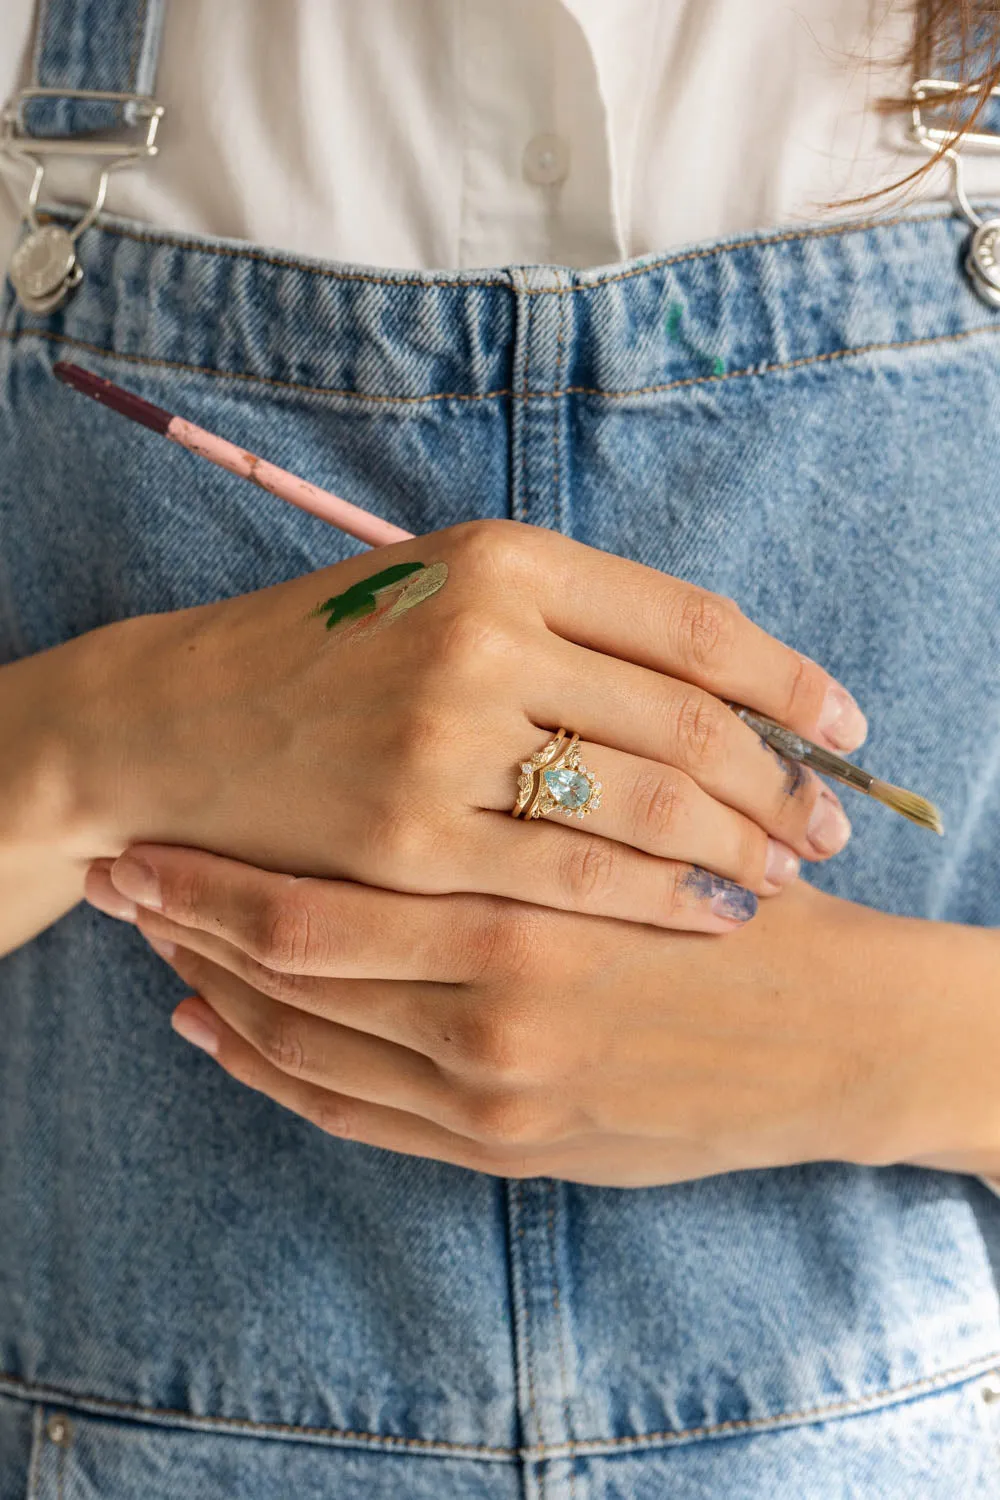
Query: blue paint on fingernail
[(726, 898)]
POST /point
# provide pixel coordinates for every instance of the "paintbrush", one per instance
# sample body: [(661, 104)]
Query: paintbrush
[(378, 533), (793, 747), (340, 513)]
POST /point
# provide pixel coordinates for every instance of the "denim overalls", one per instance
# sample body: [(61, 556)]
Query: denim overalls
[(203, 1296)]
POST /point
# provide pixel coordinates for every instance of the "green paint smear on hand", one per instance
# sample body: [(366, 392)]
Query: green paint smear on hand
[(359, 599)]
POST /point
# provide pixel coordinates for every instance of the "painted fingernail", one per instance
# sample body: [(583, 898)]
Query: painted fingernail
[(725, 898), (196, 1023), (133, 877), (733, 902), (841, 722), (828, 829), (163, 946), (783, 864)]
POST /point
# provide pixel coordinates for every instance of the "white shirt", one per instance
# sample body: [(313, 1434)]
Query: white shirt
[(457, 133), (460, 133)]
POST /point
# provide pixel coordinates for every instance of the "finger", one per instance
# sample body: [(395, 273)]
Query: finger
[(424, 1017), (99, 891), (548, 864), (662, 811), (325, 927), (337, 1114), (626, 610), (675, 724), (317, 1051)]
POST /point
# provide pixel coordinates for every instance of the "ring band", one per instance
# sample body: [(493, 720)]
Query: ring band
[(556, 780)]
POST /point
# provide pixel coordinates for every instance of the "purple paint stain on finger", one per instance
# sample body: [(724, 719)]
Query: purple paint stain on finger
[(727, 899), (794, 771)]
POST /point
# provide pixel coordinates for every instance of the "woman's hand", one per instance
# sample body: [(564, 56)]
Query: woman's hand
[(522, 1041), (387, 750)]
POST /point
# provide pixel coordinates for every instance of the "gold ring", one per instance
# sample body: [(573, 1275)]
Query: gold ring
[(556, 780)]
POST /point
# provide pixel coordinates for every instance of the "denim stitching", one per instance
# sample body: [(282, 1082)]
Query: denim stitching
[(236, 252), (556, 414), (37, 1427), (523, 508), (12, 336), (540, 1446), (74, 1401), (557, 1309)]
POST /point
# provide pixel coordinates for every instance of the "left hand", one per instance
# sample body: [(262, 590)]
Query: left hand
[(523, 1041)]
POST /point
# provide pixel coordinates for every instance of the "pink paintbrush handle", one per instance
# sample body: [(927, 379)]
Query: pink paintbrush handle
[(341, 513)]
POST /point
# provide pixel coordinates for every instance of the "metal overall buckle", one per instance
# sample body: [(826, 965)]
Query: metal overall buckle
[(44, 268), (982, 261)]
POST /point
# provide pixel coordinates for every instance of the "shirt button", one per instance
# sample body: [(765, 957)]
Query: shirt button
[(546, 160)]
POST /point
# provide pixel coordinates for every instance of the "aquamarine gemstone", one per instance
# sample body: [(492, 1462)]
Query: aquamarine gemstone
[(569, 788)]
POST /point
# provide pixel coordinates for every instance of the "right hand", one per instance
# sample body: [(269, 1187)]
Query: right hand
[(243, 728)]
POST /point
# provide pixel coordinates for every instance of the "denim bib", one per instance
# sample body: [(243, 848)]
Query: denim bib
[(202, 1295)]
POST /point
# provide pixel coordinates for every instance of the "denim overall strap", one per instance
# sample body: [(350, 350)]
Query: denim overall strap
[(107, 45)]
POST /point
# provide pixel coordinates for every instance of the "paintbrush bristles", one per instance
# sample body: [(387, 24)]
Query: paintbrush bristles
[(917, 809)]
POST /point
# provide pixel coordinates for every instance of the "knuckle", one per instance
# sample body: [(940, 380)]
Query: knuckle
[(398, 844), (492, 1047), (506, 1120), (699, 728), (708, 623), (491, 545), (335, 1115), (281, 1044), (805, 690), (656, 799), (282, 985), (281, 936), (503, 939), (590, 870), (469, 643)]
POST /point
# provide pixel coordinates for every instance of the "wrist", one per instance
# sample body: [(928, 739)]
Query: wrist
[(57, 777), (932, 992), (40, 804)]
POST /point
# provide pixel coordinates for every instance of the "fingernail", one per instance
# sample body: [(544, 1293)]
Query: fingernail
[(196, 1023), (725, 898), (133, 877), (841, 721), (111, 903), (783, 864), (733, 902), (829, 828), (163, 946)]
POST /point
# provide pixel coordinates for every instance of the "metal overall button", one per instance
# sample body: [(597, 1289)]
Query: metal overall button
[(44, 268), (983, 261)]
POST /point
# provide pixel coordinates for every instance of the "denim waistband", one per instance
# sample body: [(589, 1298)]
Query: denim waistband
[(736, 308)]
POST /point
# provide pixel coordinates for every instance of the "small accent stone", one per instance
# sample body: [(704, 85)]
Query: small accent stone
[(568, 788)]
